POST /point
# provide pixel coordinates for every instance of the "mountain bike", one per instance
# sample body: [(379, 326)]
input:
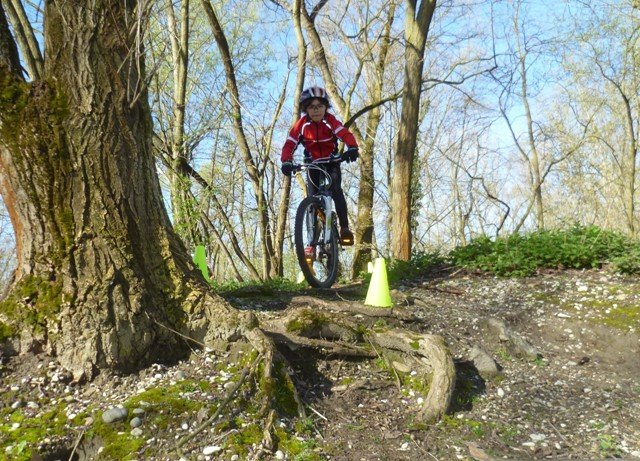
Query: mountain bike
[(316, 235)]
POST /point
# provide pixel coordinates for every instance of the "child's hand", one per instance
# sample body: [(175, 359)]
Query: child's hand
[(351, 154), (287, 168)]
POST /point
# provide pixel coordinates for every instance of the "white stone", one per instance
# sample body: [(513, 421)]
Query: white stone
[(279, 455), (210, 450), (500, 392), (538, 437)]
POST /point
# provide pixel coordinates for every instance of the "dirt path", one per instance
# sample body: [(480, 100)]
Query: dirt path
[(578, 398)]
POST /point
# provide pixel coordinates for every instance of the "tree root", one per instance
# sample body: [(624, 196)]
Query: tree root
[(434, 354), (354, 308), (331, 333)]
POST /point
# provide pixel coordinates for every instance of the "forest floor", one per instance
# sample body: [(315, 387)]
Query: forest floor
[(579, 398)]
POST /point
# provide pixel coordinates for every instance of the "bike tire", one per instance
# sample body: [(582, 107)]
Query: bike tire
[(322, 270)]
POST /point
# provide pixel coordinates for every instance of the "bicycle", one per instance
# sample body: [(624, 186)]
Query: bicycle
[(316, 229)]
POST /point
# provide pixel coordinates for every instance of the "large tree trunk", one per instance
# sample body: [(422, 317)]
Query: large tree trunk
[(416, 29), (100, 274)]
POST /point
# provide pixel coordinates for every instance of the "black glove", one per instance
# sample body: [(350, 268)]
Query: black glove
[(287, 168), (351, 154)]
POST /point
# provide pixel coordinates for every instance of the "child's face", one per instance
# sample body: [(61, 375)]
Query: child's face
[(316, 110)]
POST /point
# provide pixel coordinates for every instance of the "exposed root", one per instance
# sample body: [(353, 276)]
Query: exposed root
[(333, 334), (434, 354), (354, 308), (324, 347)]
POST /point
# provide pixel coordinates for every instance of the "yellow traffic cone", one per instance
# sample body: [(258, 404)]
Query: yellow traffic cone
[(200, 259), (378, 294)]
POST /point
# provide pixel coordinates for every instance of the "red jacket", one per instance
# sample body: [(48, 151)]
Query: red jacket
[(318, 138)]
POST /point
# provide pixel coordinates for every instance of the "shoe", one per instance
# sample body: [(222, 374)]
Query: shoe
[(346, 236), (309, 252)]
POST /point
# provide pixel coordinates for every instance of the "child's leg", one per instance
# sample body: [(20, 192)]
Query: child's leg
[(338, 195), (313, 179)]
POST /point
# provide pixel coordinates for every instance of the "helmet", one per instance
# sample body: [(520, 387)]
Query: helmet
[(312, 93)]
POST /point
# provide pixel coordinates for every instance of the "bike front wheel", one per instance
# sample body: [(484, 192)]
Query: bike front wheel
[(316, 249)]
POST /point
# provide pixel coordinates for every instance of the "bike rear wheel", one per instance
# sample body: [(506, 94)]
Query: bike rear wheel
[(320, 265)]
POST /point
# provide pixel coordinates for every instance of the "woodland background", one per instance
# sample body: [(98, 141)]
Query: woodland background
[(529, 119)]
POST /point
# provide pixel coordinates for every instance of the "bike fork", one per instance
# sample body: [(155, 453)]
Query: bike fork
[(328, 209)]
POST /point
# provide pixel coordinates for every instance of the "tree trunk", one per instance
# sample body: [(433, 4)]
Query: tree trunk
[(184, 208), (416, 29), (364, 228), (101, 274)]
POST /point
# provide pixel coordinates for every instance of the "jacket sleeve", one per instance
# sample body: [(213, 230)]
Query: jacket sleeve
[(340, 131), (293, 139)]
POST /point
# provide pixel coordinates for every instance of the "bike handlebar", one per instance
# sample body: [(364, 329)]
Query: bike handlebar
[(325, 160)]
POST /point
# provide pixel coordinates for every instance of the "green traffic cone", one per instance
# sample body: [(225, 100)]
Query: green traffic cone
[(378, 294), (200, 259)]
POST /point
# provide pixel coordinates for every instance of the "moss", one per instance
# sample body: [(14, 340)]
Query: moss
[(299, 450), (33, 302), (415, 345), (281, 390), (417, 383), (346, 381), (306, 321), (477, 429), (116, 439), (170, 400), (245, 437), (32, 430), (6, 332)]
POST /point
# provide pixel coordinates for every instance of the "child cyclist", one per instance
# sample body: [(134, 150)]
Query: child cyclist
[(319, 131)]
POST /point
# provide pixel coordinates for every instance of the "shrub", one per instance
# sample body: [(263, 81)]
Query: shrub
[(580, 247), (420, 263)]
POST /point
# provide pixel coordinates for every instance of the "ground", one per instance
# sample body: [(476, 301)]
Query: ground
[(576, 396)]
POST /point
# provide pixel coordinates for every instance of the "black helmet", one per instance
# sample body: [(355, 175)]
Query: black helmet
[(313, 92)]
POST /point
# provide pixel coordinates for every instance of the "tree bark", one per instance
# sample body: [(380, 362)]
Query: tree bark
[(416, 30), (102, 279)]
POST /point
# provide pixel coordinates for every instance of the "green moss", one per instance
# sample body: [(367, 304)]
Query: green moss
[(245, 437), (299, 450), (116, 439), (33, 302), (470, 427), (346, 381), (415, 345), (171, 401), (281, 390), (306, 321), (6, 332), (32, 430)]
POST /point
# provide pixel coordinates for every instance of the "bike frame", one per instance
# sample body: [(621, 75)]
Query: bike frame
[(323, 190)]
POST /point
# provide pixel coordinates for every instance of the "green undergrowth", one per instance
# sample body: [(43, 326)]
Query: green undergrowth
[(419, 264), (580, 247), (253, 288)]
